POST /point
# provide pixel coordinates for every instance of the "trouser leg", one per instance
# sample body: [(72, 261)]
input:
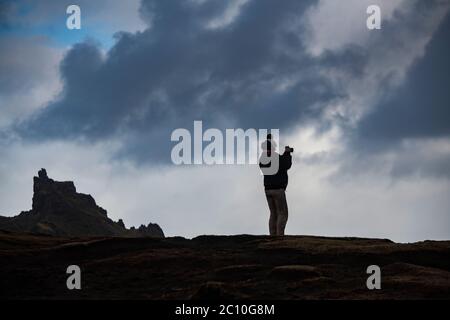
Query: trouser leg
[(282, 212), (273, 213)]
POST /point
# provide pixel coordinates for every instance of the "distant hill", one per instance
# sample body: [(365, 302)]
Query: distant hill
[(59, 210)]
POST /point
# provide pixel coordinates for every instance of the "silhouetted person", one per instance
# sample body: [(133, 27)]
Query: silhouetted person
[(275, 184)]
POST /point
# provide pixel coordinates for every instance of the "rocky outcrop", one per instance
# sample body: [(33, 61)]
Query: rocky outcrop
[(58, 209)]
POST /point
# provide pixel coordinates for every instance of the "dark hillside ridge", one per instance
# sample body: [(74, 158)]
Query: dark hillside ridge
[(221, 267)]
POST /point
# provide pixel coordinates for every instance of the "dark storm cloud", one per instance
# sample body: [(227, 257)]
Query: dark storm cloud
[(7, 11), (178, 71), (28, 77), (254, 72), (408, 129), (420, 107)]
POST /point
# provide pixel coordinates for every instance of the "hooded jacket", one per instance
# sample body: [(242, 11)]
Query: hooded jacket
[(278, 180)]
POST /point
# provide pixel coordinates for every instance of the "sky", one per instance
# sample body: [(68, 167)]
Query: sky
[(367, 111)]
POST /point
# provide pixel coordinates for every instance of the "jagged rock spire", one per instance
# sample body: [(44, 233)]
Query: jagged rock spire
[(58, 209), (42, 174)]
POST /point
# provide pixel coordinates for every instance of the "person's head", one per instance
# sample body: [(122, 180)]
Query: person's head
[(268, 146)]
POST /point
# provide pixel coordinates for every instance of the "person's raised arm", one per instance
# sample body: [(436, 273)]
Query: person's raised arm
[(286, 160)]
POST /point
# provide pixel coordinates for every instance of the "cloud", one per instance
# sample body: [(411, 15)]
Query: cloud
[(394, 88), (419, 107), (253, 73), (29, 77), (230, 13), (256, 70), (31, 52), (336, 25), (376, 69), (100, 20), (407, 128), (107, 16)]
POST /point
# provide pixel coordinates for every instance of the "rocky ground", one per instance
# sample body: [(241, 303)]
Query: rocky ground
[(223, 267)]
